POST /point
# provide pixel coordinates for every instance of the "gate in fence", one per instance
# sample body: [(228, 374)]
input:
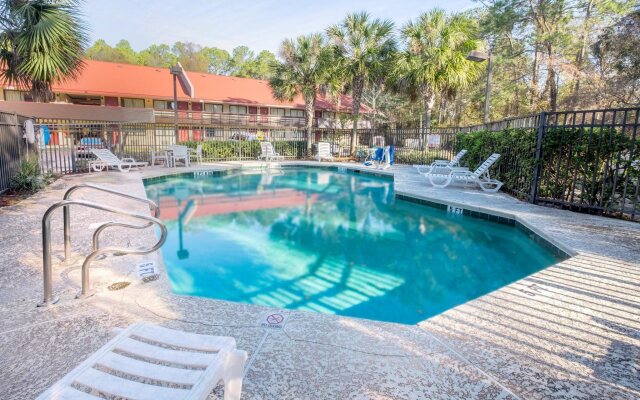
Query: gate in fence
[(12, 147)]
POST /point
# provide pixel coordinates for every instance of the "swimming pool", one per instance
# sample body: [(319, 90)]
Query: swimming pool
[(333, 242)]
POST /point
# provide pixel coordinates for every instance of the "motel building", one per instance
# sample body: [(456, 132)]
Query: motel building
[(208, 106)]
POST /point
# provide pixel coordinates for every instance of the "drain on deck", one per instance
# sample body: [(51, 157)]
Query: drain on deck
[(118, 285)]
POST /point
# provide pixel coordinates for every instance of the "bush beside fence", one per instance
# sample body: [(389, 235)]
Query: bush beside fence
[(227, 150), (517, 148)]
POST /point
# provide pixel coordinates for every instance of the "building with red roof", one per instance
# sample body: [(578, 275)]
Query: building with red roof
[(202, 98)]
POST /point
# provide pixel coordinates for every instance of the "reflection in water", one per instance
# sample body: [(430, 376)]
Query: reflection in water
[(331, 242)]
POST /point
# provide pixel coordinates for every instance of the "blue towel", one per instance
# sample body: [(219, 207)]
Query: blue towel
[(379, 154), (46, 134), (391, 155)]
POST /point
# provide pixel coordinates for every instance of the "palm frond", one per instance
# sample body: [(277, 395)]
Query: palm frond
[(43, 43)]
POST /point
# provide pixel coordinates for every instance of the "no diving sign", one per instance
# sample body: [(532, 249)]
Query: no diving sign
[(273, 320)]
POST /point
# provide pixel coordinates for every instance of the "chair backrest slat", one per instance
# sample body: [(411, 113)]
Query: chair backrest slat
[(456, 160), (484, 167), (267, 149), (324, 148), (179, 150), (106, 155)]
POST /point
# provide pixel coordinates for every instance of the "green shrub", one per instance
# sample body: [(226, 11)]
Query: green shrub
[(222, 150), (581, 165), (589, 165), (29, 179)]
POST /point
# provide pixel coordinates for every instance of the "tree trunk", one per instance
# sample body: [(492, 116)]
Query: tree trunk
[(356, 92), (534, 81), (581, 54), (552, 84), (429, 99), (374, 110), (41, 92), (309, 108)]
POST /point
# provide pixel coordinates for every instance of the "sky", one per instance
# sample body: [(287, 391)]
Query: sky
[(258, 24)]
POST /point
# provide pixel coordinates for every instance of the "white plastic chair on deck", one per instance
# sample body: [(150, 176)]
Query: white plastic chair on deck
[(455, 162), (324, 151), (179, 152), (441, 177), (196, 153), (106, 160), (268, 153), (147, 362)]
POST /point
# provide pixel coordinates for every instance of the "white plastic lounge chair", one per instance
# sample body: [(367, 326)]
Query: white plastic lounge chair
[(179, 153), (268, 153), (324, 151), (196, 153), (106, 160), (179, 365), (455, 162), (441, 177)]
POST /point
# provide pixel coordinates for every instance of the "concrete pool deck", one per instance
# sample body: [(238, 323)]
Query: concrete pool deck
[(569, 331)]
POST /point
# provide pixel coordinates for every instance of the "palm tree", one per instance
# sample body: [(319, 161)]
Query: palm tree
[(303, 71), (434, 60), (41, 43), (361, 45)]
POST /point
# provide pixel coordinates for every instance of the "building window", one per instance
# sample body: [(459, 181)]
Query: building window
[(162, 105), (237, 109), (296, 113), (329, 114), (213, 108), (111, 101), (17, 95), (213, 132), (85, 100), (277, 111), (133, 103)]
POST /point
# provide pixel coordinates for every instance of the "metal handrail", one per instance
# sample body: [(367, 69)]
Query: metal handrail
[(97, 232), (46, 244), (67, 213)]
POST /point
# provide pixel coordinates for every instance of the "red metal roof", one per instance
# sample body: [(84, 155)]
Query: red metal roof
[(125, 80)]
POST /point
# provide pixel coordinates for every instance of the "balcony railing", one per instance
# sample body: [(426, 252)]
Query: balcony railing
[(331, 123), (225, 119), (254, 120)]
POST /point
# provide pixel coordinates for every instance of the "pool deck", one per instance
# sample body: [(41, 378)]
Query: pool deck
[(570, 331)]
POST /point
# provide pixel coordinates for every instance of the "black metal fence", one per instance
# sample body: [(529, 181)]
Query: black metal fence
[(12, 147), (588, 161), (67, 146)]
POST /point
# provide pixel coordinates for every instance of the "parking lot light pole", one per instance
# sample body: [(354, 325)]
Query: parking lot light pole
[(175, 71), (478, 56)]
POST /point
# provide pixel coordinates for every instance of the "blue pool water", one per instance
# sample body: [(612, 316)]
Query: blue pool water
[(332, 242)]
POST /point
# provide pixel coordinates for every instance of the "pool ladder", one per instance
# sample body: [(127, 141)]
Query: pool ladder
[(67, 202)]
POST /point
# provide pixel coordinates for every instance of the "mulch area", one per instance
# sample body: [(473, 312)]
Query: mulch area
[(9, 199)]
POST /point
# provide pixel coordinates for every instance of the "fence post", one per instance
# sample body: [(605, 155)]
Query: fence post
[(18, 131), (533, 195)]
